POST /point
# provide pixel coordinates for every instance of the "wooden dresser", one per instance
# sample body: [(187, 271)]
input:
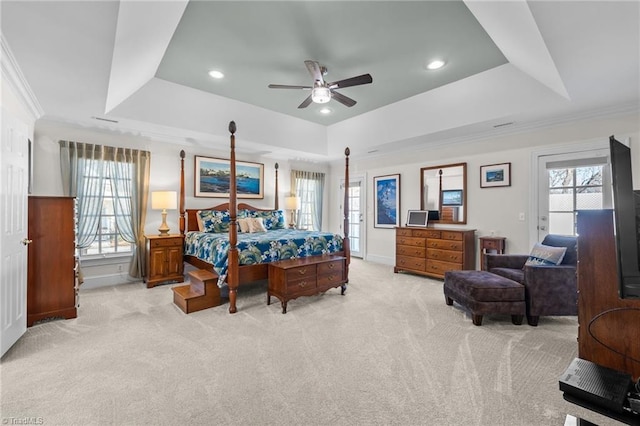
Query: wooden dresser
[(305, 276), (433, 251), (52, 285)]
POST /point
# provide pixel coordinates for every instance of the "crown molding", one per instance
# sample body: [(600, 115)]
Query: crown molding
[(12, 74)]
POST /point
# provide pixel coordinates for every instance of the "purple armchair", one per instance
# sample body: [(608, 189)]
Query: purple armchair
[(549, 290)]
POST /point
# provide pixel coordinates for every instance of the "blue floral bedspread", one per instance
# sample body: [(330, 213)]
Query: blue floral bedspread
[(262, 247)]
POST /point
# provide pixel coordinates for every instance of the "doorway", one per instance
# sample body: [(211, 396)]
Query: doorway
[(356, 200)]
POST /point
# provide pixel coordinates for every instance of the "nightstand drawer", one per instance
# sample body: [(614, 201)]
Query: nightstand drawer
[(166, 242)]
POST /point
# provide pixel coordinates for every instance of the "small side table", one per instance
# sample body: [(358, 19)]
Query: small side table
[(491, 245)]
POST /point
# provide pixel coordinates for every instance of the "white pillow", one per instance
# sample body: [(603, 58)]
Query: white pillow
[(244, 224), (256, 225)]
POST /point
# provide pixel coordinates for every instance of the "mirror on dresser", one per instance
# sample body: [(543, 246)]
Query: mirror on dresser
[(444, 189)]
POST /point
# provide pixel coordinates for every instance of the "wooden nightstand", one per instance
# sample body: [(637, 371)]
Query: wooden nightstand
[(164, 259), (494, 245)]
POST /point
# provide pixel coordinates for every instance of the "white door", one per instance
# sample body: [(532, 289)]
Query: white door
[(356, 204), (569, 182), (14, 176)]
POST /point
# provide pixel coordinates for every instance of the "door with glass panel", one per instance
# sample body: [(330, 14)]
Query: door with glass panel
[(571, 182), (356, 202)]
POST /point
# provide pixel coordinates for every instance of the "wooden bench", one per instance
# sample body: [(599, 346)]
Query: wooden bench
[(305, 276)]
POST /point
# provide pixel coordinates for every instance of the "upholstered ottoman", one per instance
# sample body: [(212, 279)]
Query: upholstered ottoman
[(484, 293)]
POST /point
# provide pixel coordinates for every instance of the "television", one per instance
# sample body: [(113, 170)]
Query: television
[(625, 212), (452, 197), (418, 218)]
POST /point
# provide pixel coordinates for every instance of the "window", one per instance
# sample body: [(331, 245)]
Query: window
[(571, 189), (309, 187), (108, 239)]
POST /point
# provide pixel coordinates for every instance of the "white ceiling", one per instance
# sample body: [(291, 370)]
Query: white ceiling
[(144, 66)]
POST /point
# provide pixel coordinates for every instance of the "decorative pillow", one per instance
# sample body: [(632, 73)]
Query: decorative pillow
[(273, 219), (256, 225), (546, 255), (243, 223), (213, 220)]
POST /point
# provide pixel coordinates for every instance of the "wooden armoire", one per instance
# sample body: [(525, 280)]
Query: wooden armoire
[(52, 266), (609, 327)]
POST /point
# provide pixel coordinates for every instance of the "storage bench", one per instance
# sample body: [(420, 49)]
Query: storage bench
[(484, 293), (305, 276)]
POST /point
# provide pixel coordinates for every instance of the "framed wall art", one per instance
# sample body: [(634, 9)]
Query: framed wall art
[(386, 203), (212, 175), (494, 175)]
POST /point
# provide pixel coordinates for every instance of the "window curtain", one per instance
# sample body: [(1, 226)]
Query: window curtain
[(309, 186), (84, 167)]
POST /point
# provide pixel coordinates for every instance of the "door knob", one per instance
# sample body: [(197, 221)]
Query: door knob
[(26, 242)]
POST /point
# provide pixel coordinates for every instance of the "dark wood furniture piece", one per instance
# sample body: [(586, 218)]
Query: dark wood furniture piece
[(608, 327), (495, 245), (52, 282), (305, 276), (434, 251), (164, 259), (241, 274), (202, 292)]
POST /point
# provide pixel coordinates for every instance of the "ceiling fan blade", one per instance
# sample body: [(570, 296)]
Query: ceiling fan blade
[(353, 81), (314, 70), (344, 100), (286, 86), (305, 103)]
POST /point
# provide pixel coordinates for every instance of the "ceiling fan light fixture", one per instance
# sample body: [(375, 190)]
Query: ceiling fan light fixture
[(321, 95), (435, 64), (325, 111)]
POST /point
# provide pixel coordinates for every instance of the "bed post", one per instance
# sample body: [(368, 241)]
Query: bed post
[(232, 272), (276, 203), (182, 221), (345, 243)]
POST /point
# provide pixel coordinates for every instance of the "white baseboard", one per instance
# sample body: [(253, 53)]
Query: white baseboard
[(107, 280), (385, 260)]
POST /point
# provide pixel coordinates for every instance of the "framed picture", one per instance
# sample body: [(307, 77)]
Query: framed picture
[(494, 175), (386, 204), (212, 175)]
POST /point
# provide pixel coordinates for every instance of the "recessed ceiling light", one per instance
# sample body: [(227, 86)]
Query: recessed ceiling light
[(325, 111), (216, 74), (435, 64)]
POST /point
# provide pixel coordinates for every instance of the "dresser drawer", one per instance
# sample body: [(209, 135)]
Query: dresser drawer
[(445, 245), (445, 255), (300, 273), (410, 263), (165, 242), (403, 232), (439, 268), (426, 233), (410, 251), (410, 241), (335, 266), (449, 235), (330, 279)]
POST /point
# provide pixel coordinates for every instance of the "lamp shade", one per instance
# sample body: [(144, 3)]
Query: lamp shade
[(164, 200), (292, 203)]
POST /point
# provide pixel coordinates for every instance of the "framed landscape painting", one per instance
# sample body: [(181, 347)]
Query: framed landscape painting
[(386, 204), (212, 175), (495, 175)]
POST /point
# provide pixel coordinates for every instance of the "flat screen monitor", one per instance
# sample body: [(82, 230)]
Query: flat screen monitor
[(452, 197), (433, 215), (625, 220), (418, 218)]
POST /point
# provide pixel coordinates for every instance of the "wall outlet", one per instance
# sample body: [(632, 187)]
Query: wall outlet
[(521, 216), (119, 268)]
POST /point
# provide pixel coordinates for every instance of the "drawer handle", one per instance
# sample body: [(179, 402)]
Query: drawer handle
[(302, 271), (331, 265), (302, 284)]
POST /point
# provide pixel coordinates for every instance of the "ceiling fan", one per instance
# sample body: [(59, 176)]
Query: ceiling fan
[(321, 91)]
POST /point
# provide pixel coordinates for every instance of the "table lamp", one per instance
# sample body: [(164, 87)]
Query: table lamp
[(163, 200), (292, 204)]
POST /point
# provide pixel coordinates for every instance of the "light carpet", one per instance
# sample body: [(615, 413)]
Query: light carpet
[(389, 352)]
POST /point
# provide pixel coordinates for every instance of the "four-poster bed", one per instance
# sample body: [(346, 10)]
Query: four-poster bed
[(237, 259)]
